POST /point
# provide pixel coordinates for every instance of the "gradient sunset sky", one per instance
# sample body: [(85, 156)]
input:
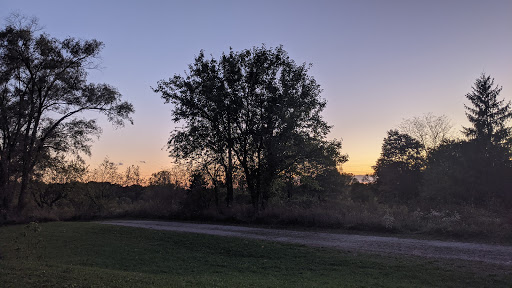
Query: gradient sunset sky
[(378, 62)]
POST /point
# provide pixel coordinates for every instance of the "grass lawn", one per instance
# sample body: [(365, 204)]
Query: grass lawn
[(76, 254)]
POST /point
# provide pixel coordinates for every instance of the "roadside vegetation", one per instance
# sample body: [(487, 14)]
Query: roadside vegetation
[(67, 254)]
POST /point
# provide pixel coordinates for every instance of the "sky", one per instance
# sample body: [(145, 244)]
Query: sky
[(378, 62)]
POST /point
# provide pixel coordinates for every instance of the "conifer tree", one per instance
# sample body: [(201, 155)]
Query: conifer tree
[(488, 114)]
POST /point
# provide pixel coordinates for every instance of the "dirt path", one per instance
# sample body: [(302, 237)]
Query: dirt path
[(374, 244)]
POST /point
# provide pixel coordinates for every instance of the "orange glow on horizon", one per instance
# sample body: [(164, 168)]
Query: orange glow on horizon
[(357, 169)]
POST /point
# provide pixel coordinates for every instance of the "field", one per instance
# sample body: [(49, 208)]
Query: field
[(77, 254)]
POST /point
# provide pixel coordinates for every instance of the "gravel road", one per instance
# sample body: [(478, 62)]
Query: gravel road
[(494, 254)]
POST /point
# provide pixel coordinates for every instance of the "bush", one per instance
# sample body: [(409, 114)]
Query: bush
[(354, 208)]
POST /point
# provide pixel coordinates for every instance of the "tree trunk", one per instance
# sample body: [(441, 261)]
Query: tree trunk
[(4, 199), (289, 188), (7, 187), (253, 190), (22, 197), (229, 178), (3, 186), (265, 189), (216, 193)]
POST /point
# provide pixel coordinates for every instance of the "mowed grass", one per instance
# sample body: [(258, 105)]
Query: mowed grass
[(74, 254)]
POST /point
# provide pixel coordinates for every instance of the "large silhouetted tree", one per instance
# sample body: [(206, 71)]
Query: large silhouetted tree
[(279, 123), (398, 169), (43, 96), (491, 138), (254, 110)]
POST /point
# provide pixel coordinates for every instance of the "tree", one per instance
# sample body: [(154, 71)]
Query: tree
[(102, 184), (201, 100), (57, 182), (488, 115), (68, 171), (132, 176), (451, 177), (173, 176), (43, 94), (430, 130), (490, 138), (161, 178), (476, 171), (279, 126), (107, 172), (398, 170), (331, 183), (254, 110), (198, 196)]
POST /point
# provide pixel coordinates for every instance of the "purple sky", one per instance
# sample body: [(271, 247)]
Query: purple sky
[(378, 62)]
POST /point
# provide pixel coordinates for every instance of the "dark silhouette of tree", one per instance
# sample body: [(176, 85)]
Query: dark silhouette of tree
[(492, 137), (489, 132), (162, 178), (198, 196), (173, 176), (254, 110), (476, 171), (459, 172), (74, 170), (57, 182), (279, 125), (488, 114), (451, 176), (132, 176), (106, 172), (398, 170), (43, 93), (331, 183), (201, 100)]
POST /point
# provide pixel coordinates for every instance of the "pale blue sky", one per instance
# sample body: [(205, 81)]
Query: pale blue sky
[(377, 61)]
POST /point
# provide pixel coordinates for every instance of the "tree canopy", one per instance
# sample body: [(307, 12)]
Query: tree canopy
[(43, 96), (398, 168), (256, 111)]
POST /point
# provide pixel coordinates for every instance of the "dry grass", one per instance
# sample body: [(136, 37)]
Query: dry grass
[(340, 212)]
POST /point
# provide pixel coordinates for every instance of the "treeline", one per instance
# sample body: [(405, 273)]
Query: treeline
[(421, 162), (105, 191)]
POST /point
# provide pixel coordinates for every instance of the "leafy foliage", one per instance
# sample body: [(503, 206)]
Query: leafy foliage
[(398, 168), (255, 111), (450, 176), (43, 92)]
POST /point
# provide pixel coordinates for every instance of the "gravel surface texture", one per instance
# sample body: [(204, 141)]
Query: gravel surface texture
[(487, 253)]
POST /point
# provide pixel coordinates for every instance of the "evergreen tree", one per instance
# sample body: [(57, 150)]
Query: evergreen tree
[(488, 114), (489, 159)]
